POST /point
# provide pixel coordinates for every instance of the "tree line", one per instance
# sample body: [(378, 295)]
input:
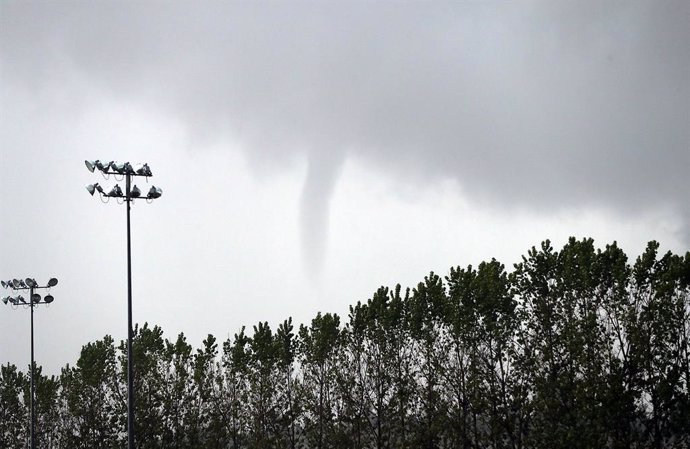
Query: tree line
[(576, 348)]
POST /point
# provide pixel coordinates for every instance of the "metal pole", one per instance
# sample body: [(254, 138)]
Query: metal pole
[(130, 373), (33, 415)]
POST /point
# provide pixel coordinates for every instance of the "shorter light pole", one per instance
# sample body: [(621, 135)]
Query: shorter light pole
[(35, 299)]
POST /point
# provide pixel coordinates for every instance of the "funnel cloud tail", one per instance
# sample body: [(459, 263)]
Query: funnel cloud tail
[(322, 174)]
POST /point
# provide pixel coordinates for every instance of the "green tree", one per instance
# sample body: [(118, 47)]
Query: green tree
[(618, 394), (92, 399), (209, 384), (387, 369), (13, 410), (428, 304), (262, 388), (287, 388), (236, 361), (569, 339), (394, 317), (320, 345), (46, 408), (658, 332), (486, 397), (148, 347), (351, 379), (179, 395)]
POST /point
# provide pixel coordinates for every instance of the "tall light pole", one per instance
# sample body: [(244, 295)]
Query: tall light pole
[(127, 171), (35, 299)]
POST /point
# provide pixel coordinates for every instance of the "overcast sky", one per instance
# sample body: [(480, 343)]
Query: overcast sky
[(311, 152)]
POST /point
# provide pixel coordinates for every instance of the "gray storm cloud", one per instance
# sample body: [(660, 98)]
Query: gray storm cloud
[(542, 105)]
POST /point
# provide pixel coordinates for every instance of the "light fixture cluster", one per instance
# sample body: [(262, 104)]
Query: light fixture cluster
[(116, 191), (27, 284), (121, 168)]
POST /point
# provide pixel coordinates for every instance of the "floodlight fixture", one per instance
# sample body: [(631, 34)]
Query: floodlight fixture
[(116, 191), (36, 298), (52, 282), (48, 299), (5, 299), (91, 165), (103, 166), (155, 192), (4, 285), (142, 170), (31, 282), (135, 192)]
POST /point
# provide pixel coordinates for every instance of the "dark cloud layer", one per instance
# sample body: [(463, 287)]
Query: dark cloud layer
[(545, 105)]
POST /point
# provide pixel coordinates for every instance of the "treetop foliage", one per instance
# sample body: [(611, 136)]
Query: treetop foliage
[(575, 348)]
